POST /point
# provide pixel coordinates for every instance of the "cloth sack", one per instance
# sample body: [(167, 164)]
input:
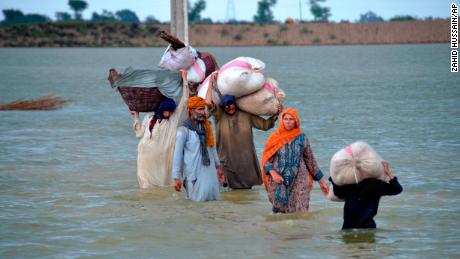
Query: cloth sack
[(196, 73), (264, 101), (241, 76), (355, 163), (176, 60)]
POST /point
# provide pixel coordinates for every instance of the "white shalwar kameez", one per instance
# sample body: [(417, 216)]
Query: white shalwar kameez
[(156, 150), (201, 182)]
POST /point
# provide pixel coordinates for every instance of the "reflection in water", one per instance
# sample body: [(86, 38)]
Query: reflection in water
[(358, 236), (359, 243)]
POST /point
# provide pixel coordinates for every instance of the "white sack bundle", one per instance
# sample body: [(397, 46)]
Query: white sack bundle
[(203, 89), (241, 76), (355, 163), (264, 101), (196, 73), (176, 60)]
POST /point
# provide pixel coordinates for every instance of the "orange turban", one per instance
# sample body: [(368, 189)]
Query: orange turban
[(198, 102), (195, 102), (278, 139)]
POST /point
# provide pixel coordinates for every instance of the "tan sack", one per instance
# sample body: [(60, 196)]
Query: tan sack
[(176, 60), (355, 163), (263, 102)]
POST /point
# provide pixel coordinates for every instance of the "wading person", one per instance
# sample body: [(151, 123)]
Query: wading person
[(362, 199), (196, 163), (289, 166), (154, 160), (235, 143)]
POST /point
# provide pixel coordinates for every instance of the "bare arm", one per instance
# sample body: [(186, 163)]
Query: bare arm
[(393, 187), (265, 124), (139, 128)]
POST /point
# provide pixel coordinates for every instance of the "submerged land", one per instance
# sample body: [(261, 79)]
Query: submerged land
[(86, 34)]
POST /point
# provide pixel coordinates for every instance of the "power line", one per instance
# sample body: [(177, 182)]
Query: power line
[(230, 14)]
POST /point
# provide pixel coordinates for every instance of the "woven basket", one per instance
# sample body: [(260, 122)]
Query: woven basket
[(141, 99)]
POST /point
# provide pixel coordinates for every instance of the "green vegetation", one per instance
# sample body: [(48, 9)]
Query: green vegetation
[(264, 13), (238, 37), (224, 32), (305, 30), (402, 18), (63, 16), (16, 16), (105, 16), (316, 40), (128, 16), (151, 19), (78, 6), (320, 14), (370, 17), (272, 42), (194, 12)]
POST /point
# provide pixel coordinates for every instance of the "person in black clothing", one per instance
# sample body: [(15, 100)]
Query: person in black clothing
[(362, 199)]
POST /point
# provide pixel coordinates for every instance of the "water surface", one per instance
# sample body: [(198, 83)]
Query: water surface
[(68, 185)]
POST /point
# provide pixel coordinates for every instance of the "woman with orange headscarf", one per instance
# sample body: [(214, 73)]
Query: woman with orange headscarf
[(289, 167)]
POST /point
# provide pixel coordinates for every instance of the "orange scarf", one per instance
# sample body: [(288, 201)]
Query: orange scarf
[(278, 139), (198, 102)]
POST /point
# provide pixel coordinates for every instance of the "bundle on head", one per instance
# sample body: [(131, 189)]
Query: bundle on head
[(175, 42), (49, 102), (355, 163), (265, 100)]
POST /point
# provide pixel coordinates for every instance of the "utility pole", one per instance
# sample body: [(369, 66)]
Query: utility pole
[(179, 19)]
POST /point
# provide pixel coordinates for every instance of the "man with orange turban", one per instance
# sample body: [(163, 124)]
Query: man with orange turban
[(196, 164)]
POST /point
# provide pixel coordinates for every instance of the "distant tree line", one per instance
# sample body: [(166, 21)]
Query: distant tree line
[(264, 14)]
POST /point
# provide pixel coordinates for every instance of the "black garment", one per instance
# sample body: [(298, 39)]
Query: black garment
[(362, 200)]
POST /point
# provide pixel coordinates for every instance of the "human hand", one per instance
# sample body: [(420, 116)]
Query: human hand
[(134, 113), (177, 185), (276, 177), (280, 108), (220, 175), (213, 80), (386, 169), (324, 187)]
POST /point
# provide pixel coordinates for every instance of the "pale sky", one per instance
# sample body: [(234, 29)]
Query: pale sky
[(244, 9)]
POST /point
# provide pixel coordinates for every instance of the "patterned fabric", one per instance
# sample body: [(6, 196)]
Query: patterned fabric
[(288, 169), (294, 162)]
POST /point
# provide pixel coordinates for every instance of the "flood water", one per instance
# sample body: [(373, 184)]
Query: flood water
[(68, 185)]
